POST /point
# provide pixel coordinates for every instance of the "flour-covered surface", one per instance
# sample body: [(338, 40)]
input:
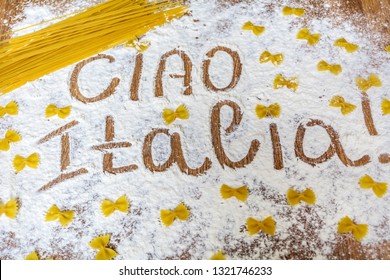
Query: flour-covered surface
[(215, 224)]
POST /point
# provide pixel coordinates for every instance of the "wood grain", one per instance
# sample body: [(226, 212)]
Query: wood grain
[(372, 15), (375, 13), (367, 15), (9, 9)]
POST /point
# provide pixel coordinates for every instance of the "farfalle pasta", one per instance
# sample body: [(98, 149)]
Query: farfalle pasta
[(287, 11), (346, 225), (379, 188), (240, 193), (312, 39), (169, 116), (372, 81), (10, 208), (219, 256), (272, 110), (332, 68), (256, 29), (64, 217), (294, 197), (385, 106), (121, 204), (281, 81), (33, 256), (11, 109), (275, 59), (21, 162), (100, 243), (339, 102), (138, 45), (52, 110), (11, 136), (268, 226), (169, 216), (343, 43)]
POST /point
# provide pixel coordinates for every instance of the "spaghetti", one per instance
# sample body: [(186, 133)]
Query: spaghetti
[(26, 58)]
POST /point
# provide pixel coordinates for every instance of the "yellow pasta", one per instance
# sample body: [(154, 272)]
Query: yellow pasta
[(281, 81), (170, 116), (54, 213), (346, 225), (294, 197), (169, 216), (121, 204), (256, 29), (219, 256), (53, 110), (240, 193), (10, 208), (379, 188), (33, 256), (372, 81), (343, 43), (31, 161), (312, 39), (139, 46), (10, 137), (276, 59), (386, 106), (268, 225), (272, 110), (332, 68), (10, 109), (288, 11), (339, 101), (101, 27), (100, 243)]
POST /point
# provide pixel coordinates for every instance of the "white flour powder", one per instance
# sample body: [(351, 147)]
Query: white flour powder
[(215, 224)]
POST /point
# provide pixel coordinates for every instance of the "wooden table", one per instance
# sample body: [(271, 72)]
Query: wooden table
[(375, 17), (375, 13)]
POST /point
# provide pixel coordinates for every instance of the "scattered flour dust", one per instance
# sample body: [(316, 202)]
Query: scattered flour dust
[(214, 224)]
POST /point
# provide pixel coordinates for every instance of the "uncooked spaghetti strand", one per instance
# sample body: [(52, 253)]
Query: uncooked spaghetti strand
[(41, 33), (111, 23), (91, 36), (39, 24), (41, 49), (93, 22), (57, 64), (113, 10), (104, 30), (47, 21), (86, 36)]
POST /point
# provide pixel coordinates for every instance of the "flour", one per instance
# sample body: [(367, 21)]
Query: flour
[(215, 224)]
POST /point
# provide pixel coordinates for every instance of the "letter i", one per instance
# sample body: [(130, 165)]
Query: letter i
[(277, 148), (366, 108)]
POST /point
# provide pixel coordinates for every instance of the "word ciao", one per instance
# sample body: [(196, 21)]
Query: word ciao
[(158, 90), (177, 156)]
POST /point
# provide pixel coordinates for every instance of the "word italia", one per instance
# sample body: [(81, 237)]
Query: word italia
[(217, 132)]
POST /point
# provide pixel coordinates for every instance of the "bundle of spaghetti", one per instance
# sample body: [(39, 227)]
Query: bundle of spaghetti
[(26, 58)]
